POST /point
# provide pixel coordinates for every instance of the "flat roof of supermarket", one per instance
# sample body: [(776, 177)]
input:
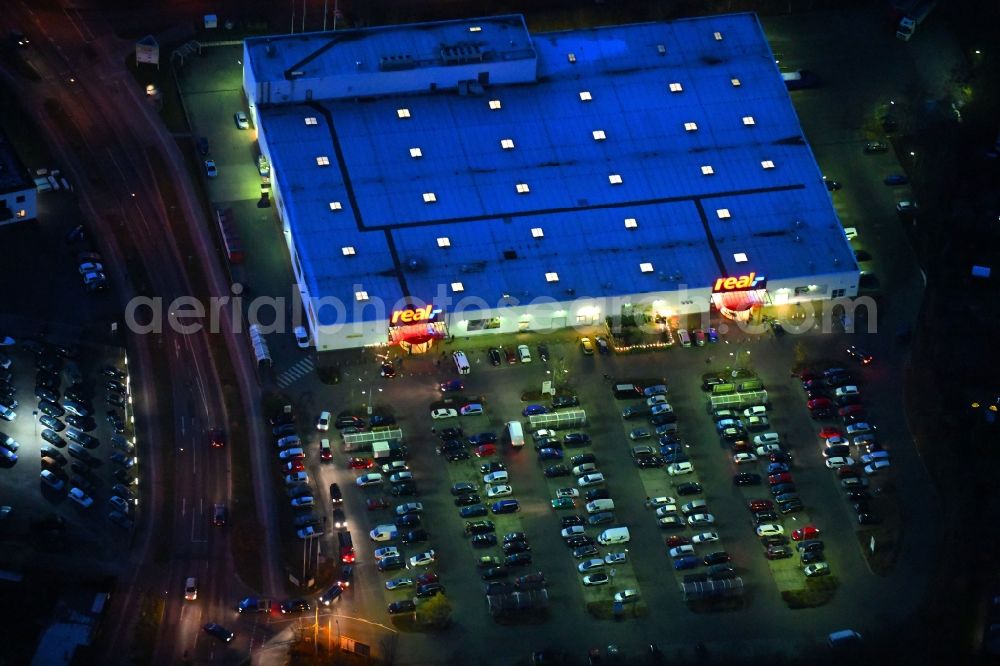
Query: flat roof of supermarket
[(643, 158)]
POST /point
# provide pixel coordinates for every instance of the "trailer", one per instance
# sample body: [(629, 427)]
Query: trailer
[(914, 17), (738, 400)]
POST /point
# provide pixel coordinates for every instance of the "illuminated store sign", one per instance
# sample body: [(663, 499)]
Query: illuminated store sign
[(408, 316), (740, 283)]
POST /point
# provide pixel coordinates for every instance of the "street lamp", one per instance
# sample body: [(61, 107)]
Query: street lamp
[(34, 421)]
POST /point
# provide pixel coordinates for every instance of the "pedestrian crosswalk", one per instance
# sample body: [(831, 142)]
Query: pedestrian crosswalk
[(296, 372)]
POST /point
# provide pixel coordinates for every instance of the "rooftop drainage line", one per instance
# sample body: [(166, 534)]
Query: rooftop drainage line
[(341, 162), (711, 239), (570, 209)]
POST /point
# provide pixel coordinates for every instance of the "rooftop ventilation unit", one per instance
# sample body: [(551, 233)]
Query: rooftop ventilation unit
[(461, 54), (414, 265), (510, 254), (396, 63)]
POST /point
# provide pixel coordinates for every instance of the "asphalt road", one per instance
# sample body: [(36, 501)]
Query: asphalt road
[(81, 64)]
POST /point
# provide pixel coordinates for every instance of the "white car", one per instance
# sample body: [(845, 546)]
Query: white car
[(839, 461), (616, 558), (90, 267), (701, 519), (740, 458), (759, 410), (846, 390), (681, 551), (571, 531), (499, 491), (661, 501), (695, 506), (288, 440), (663, 408), (680, 468), (627, 596), (384, 533), (386, 551), (665, 509), (51, 480), (851, 232), (409, 507), (588, 480), (423, 559), (539, 434), (585, 468), (816, 569), (496, 477), (81, 498), (770, 529), (524, 353), (859, 429), (906, 207), (301, 337), (656, 400), (767, 449), (876, 467), (305, 500), (401, 476), (295, 452), (766, 438), (323, 422), (241, 120), (443, 413), (395, 466), (372, 479), (398, 583), (567, 492), (589, 565), (297, 477), (705, 537)]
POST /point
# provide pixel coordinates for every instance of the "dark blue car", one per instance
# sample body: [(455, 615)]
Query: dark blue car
[(896, 179), (532, 410), (550, 454), (506, 506), (686, 562)]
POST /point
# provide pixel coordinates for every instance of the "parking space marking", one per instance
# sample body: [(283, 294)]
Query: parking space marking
[(296, 372)]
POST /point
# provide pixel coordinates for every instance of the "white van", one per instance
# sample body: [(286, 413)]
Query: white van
[(843, 637), (600, 505), (614, 535), (462, 363), (516, 433)]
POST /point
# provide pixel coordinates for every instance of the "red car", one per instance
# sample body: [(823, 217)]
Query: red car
[(326, 454), (485, 450), (376, 503), (511, 356), (852, 410), (761, 505), (677, 540), (217, 438), (296, 465), (780, 477), (424, 579), (361, 463), (829, 431), (820, 403), (803, 533)]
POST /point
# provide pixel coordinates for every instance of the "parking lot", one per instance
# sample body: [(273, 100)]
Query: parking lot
[(504, 391), (70, 473)]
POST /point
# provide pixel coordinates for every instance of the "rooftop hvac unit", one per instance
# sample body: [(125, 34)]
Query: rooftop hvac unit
[(461, 54), (414, 265), (396, 63)]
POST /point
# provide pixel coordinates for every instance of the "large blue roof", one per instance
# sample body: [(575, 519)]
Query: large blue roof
[(781, 217)]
